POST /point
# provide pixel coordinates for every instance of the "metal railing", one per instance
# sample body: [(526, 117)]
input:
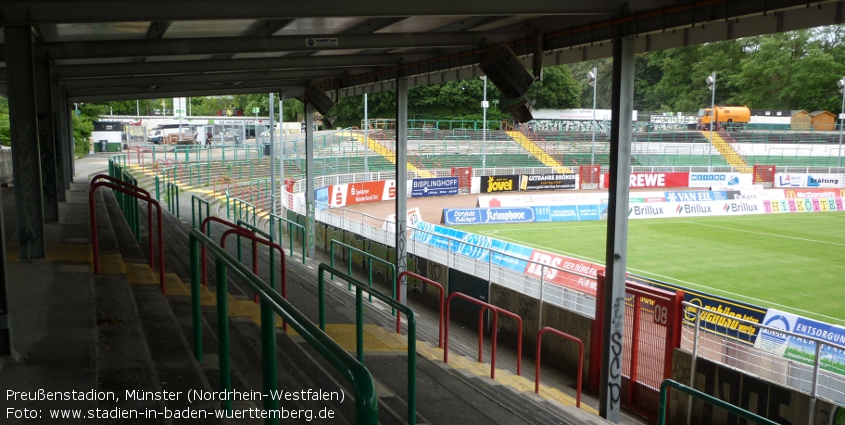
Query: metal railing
[(361, 287), (196, 166), (196, 210), (441, 303), (366, 400), (580, 360), (135, 192), (290, 225), (171, 198), (807, 375), (494, 330), (668, 383), (349, 249)]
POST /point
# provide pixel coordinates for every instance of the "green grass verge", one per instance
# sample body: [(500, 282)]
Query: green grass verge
[(792, 262)]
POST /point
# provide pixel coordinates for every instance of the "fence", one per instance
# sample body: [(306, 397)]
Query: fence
[(765, 353)]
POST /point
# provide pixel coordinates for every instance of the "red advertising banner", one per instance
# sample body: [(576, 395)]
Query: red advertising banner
[(641, 180), (582, 278), (814, 193), (341, 195)]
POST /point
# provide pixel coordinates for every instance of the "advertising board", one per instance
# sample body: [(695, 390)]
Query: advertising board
[(813, 193), (811, 180), (439, 186), (547, 181), (487, 215), (720, 179), (800, 349), (342, 195), (496, 184), (642, 180)]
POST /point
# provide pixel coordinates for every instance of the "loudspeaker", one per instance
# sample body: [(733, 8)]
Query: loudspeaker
[(318, 99), (521, 112), (506, 71)]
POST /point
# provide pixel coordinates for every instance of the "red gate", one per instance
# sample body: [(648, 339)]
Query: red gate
[(464, 175), (652, 332), (590, 176), (764, 175)]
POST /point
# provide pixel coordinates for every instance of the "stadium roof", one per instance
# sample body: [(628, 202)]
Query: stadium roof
[(108, 50)]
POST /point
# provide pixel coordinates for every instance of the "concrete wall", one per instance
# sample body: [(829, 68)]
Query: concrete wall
[(775, 402)]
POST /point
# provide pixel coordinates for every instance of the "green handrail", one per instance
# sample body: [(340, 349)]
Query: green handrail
[(196, 211), (661, 411), (366, 400), (359, 327), (191, 168), (241, 209), (291, 224), (269, 237), (172, 198), (369, 257)]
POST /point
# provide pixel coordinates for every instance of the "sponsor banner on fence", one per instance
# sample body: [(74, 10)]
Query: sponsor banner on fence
[(641, 180), (495, 184), (792, 205), (584, 281), (342, 195), (321, 195), (439, 186), (813, 193), (487, 215), (720, 180), (813, 180), (715, 323), (800, 349), (414, 217), (547, 181), (696, 195)]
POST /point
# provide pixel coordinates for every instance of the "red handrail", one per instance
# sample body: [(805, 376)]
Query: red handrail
[(399, 298), (249, 234), (580, 361), (138, 150), (222, 179), (135, 192), (484, 306)]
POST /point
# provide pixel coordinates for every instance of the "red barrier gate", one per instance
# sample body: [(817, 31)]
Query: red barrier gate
[(652, 332)]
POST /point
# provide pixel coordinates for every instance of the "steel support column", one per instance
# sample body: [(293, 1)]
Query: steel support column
[(69, 142), (26, 158), (46, 141), (622, 104), (309, 178), (401, 186), (59, 134)]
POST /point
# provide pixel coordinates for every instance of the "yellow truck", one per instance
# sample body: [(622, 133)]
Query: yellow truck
[(725, 115)]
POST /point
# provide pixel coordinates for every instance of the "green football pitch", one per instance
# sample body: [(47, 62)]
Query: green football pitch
[(792, 262)]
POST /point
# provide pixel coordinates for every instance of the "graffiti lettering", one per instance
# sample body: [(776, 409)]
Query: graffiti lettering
[(615, 384)]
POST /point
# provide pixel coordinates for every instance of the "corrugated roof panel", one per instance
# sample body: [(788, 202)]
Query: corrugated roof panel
[(221, 28), (303, 26), (101, 31), (422, 23)]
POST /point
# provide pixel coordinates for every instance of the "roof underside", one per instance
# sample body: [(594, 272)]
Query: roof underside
[(108, 50)]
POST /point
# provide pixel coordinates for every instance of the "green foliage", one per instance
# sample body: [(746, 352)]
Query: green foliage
[(5, 131), (83, 125)]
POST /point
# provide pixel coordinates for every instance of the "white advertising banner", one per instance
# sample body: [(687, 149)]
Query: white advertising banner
[(729, 181), (818, 180)]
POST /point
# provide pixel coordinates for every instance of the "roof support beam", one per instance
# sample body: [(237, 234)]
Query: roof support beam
[(182, 67), (235, 45), (219, 78), (129, 95), (56, 11)]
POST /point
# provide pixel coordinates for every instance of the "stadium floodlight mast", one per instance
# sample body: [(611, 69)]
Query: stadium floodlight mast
[(711, 84), (841, 118), (484, 106), (591, 77)]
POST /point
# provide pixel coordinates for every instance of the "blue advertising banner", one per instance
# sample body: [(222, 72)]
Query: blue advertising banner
[(439, 186), (714, 323), (697, 195), (444, 238), (321, 195), (800, 349), (487, 215)]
